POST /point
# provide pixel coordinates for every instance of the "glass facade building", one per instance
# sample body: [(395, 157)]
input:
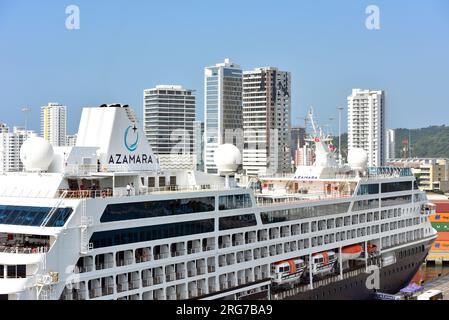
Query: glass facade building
[(222, 108)]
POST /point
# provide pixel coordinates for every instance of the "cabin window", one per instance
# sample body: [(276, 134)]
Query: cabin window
[(151, 182), (161, 182), (16, 271), (173, 181)]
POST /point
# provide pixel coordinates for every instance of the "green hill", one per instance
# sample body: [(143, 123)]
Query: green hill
[(430, 142)]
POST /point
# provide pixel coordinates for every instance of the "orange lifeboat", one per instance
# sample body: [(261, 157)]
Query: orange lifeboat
[(351, 252)]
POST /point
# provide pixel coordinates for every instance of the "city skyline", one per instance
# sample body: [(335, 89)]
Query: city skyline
[(324, 45)]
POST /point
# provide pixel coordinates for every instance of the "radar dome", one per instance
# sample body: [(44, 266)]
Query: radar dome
[(36, 154), (357, 158), (227, 158)]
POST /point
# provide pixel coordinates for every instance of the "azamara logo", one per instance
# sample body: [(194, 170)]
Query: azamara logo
[(133, 146), (130, 159)]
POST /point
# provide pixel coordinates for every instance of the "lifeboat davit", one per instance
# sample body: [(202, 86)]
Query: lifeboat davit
[(351, 252)]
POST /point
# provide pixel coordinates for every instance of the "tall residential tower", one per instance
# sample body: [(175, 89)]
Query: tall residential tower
[(54, 124), (266, 121), (366, 124), (169, 113)]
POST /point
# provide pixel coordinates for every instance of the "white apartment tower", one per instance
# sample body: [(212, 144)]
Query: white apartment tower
[(10, 144), (366, 124), (169, 114), (54, 124), (266, 121), (222, 109), (391, 145)]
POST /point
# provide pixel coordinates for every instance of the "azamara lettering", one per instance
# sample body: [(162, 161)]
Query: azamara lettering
[(130, 159)]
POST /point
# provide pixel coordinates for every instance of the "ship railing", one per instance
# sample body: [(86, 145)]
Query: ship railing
[(179, 253), (124, 262), (133, 284), (170, 277), (122, 287), (123, 192), (102, 266), (211, 269), (24, 249), (161, 256), (180, 275), (108, 290), (264, 200), (182, 296), (212, 289), (201, 292), (157, 280), (201, 270), (191, 273), (95, 293), (143, 258), (147, 282)]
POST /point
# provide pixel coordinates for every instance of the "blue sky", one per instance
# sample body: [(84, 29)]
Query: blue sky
[(123, 47)]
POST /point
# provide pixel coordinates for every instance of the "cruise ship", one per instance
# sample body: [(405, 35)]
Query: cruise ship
[(102, 221)]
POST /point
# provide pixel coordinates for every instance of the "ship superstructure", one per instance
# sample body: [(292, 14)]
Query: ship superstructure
[(101, 221)]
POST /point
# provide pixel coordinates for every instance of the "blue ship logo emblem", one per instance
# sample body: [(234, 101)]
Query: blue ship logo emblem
[(131, 147)]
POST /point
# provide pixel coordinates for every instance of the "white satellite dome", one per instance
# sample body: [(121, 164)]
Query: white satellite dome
[(357, 158), (227, 158), (36, 154)]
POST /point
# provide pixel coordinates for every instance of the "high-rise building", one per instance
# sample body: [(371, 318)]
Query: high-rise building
[(71, 140), (198, 128), (391, 145), (169, 113), (366, 124), (298, 135), (54, 124), (266, 121), (10, 144), (222, 109)]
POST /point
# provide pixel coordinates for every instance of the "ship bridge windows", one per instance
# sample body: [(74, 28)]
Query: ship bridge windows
[(396, 186), (366, 189), (33, 216), (239, 221), (151, 209)]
